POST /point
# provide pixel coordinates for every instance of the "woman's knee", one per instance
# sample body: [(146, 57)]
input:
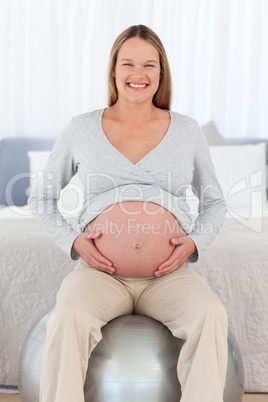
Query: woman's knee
[(212, 312)]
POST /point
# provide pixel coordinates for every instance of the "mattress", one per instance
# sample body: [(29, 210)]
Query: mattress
[(236, 267), (31, 270)]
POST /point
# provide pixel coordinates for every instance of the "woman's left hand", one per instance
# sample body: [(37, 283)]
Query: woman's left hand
[(184, 248)]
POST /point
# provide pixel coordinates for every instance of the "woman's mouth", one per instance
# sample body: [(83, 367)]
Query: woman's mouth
[(138, 86)]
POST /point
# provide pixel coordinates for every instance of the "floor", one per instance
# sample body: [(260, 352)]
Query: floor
[(247, 398)]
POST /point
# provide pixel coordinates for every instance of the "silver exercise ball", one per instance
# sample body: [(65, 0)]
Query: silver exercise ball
[(135, 362)]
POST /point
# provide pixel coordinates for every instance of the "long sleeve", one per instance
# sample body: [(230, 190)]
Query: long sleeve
[(108, 177), (211, 201), (44, 197)]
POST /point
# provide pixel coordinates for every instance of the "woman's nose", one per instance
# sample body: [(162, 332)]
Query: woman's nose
[(138, 72)]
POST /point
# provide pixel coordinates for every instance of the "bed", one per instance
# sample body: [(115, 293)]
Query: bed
[(32, 266)]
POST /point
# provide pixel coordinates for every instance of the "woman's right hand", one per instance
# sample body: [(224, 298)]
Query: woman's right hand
[(84, 245)]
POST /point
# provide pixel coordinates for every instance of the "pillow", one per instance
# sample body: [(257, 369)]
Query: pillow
[(37, 162), (71, 199), (212, 134), (241, 172)]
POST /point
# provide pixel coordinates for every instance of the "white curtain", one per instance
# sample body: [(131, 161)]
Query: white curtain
[(54, 57)]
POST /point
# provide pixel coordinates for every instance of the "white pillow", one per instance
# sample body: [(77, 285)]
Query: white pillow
[(241, 172), (37, 162), (71, 200)]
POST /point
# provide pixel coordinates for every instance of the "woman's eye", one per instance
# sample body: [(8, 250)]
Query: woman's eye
[(127, 64), (149, 65)]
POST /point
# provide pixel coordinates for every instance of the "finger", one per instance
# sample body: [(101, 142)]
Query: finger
[(101, 261), (168, 270), (177, 240), (167, 263), (99, 257), (101, 267), (93, 235), (171, 268), (106, 271), (176, 259), (165, 271), (104, 268), (162, 271)]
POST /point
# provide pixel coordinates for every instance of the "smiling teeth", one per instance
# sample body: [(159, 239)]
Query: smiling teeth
[(137, 85)]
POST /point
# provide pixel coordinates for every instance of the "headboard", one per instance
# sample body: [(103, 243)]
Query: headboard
[(14, 167), (244, 141)]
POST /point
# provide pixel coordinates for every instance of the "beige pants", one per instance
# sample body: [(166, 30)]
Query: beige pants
[(182, 301)]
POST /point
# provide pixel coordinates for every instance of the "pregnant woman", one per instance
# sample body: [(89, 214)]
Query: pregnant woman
[(136, 235)]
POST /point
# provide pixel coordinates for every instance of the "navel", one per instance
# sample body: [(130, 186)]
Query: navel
[(137, 246)]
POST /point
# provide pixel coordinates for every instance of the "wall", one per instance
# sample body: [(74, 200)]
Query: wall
[(54, 56)]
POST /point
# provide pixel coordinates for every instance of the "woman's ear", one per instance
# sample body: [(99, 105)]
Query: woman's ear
[(113, 74)]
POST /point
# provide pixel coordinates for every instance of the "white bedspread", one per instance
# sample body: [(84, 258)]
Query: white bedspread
[(31, 270), (235, 265)]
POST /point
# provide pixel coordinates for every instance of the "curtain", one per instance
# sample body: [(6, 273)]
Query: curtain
[(54, 60)]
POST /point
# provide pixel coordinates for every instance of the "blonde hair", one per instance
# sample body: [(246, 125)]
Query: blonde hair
[(162, 98)]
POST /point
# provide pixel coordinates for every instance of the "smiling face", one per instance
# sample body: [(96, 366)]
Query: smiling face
[(137, 71)]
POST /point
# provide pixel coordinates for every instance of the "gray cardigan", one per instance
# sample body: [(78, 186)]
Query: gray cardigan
[(181, 159)]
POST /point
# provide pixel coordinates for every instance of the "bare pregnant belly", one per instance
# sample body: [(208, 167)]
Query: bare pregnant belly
[(135, 236)]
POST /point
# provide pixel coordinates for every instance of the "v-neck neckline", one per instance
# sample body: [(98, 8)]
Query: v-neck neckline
[(148, 153)]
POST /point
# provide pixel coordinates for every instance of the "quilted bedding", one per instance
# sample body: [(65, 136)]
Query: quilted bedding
[(235, 265), (31, 270)]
